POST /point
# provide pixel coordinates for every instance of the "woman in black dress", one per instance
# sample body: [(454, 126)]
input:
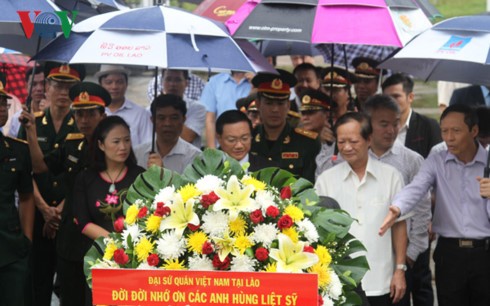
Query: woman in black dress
[(99, 190)]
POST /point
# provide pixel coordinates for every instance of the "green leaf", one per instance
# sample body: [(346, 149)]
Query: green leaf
[(96, 252), (351, 298), (334, 221), (357, 268), (150, 182), (213, 162)]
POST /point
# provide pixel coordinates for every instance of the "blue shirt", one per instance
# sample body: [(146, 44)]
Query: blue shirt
[(460, 211), (221, 93), (486, 95)]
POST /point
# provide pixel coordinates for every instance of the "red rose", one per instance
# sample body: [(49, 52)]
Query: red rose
[(286, 193), (207, 248), (153, 260), (256, 216), (142, 212), (120, 257), (209, 199), (285, 222), (119, 225), (221, 265), (320, 300), (162, 210), (272, 211), (308, 249), (261, 254), (193, 227)]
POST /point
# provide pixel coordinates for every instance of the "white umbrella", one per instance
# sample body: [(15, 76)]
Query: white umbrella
[(456, 50)]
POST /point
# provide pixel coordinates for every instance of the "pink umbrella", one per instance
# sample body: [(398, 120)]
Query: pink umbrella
[(366, 22)]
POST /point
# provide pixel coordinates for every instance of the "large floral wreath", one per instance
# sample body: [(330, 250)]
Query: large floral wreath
[(217, 217)]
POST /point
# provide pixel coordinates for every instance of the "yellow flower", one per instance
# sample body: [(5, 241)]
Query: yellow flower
[(291, 233), (234, 198), (109, 250), (195, 241), (323, 255), (290, 256), (181, 215), (272, 267), (224, 245), (132, 214), (174, 264), (188, 192), (143, 249), (242, 243), (294, 212), (153, 223), (323, 274), (238, 226), (251, 181)]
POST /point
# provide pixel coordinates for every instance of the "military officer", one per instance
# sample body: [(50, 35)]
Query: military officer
[(15, 225), (316, 108), (52, 125), (336, 82), (293, 148), (89, 102), (367, 79)]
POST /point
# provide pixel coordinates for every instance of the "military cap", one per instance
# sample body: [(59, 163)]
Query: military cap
[(274, 86), (313, 100), (247, 104), (87, 95), (64, 72), (3, 84), (365, 67), (336, 77)]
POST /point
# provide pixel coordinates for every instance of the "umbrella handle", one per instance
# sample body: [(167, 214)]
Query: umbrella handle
[(153, 119)]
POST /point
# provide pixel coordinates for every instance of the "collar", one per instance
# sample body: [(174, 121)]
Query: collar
[(244, 160), (407, 124), (480, 156), (395, 150), (229, 78), (485, 91), (371, 169), (178, 149)]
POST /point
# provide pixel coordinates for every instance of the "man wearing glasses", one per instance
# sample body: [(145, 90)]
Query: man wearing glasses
[(294, 149), (52, 125)]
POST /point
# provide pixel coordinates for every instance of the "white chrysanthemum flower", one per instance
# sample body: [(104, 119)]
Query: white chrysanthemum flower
[(335, 286), (133, 231), (265, 234), (108, 240), (264, 199), (145, 266), (243, 263), (139, 202), (208, 183), (308, 229), (171, 246), (215, 223), (200, 263), (105, 264), (165, 195), (327, 301)]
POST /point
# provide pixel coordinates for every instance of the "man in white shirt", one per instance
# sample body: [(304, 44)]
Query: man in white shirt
[(115, 80), (169, 151), (364, 188)]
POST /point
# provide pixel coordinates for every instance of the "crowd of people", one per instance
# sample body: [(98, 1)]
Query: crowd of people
[(68, 155)]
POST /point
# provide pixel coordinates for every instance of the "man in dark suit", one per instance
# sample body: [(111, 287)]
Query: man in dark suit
[(419, 133), (474, 95), (234, 135)]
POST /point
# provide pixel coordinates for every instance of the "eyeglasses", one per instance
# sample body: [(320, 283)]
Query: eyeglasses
[(234, 140)]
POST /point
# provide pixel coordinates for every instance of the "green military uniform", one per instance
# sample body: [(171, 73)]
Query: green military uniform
[(295, 150), (15, 174)]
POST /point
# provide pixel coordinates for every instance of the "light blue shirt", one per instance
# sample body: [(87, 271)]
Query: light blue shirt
[(486, 95), (137, 118), (221, 93), (460, 211), (408, 162)]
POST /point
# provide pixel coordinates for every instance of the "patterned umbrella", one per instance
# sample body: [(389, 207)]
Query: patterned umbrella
[(15, 65)]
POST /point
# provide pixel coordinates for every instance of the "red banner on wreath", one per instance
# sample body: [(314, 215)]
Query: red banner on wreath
[(187, 288)]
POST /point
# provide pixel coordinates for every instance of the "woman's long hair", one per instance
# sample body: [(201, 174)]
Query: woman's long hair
[(97, 156)]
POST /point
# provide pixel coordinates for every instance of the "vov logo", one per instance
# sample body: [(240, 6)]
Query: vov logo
[(46, 24)]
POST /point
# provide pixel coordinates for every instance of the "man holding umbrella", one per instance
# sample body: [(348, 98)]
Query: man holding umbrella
[(68, 159), (52, 127), (367, 79)]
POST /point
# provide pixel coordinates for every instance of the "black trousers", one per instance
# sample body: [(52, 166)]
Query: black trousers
[(381, 300), (419, 282), (72, 282), (14, 279), (462, 274)]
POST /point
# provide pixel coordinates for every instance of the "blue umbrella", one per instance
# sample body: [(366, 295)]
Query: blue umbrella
[(456, 50)]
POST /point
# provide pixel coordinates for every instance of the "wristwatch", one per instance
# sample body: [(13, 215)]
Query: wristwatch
[(402, 267)]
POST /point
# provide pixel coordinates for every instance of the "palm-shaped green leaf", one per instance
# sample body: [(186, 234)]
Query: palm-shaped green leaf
[(213, 162), (94, 253)]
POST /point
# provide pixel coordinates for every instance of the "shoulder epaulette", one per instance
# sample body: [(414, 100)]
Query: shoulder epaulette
[(74, 136), (309, 134), (17, 139), (38, 114)]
